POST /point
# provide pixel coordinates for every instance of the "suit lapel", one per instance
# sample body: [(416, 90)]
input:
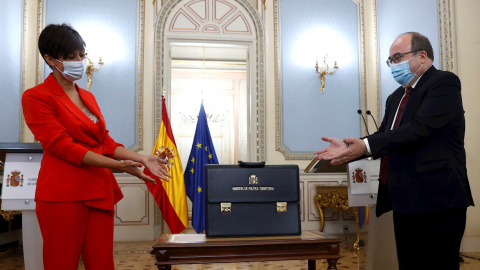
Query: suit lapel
[(73, 109), (425, 77), (62, 96), (98, 128), (398, 94), (91, 105), (396, 98), (415, 98)]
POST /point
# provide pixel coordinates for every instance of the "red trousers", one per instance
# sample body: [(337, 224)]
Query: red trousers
[(72, 228)]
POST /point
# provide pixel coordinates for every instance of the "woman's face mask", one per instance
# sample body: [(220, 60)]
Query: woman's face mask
[(73, 70)]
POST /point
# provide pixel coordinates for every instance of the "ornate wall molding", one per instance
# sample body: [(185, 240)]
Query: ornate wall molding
[(377, 60), (13, 72), (446, 22), (137, 144), (279, 134), (140, 67), (134, 208), (40, 25), (24, 50)]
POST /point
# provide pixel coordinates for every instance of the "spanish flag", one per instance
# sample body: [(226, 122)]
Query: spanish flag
[(170, 196)]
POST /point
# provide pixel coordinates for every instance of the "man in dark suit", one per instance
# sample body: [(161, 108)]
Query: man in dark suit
[(423, 176)]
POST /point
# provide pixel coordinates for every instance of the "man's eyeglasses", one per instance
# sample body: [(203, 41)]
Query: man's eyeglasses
[(398, 56)]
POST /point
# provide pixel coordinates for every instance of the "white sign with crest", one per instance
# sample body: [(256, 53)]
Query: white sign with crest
[(363, 182), (20, 178)]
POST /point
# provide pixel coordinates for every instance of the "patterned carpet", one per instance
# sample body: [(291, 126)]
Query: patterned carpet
[(136, 256)]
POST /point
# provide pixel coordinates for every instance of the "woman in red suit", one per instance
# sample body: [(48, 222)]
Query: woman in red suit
[(76, 189)]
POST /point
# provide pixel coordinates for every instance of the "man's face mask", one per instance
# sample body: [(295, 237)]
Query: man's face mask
[(401, 71)]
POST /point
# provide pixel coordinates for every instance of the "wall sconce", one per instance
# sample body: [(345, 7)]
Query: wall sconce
[(324, 70), (91, 69)]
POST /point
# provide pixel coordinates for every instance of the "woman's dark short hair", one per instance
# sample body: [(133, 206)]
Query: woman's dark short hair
[(59, 40)]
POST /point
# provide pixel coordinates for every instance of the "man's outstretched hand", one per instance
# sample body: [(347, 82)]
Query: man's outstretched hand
[(341, 151)]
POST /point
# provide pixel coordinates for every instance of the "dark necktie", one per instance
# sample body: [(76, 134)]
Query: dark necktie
[(384, 160)]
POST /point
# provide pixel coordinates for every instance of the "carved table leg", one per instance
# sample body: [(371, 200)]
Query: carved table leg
[(332, 264), (356, 245), (322, 220), (312, 264), (317, 198), (162, 255)]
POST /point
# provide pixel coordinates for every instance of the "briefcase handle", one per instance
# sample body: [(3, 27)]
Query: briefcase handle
[(252, 164)]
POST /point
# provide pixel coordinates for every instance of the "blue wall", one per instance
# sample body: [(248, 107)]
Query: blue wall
[(396, 17), (310, 29), (109, 29), (11, 35)]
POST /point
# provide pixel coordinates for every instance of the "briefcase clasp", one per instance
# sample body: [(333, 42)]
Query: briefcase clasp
[(281, 207), (225, 207)]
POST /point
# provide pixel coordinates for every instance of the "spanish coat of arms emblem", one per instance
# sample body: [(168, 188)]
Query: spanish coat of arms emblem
[(359, 176), (15, 179)]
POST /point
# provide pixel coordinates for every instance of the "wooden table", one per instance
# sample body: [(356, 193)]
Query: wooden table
[(173, 249)]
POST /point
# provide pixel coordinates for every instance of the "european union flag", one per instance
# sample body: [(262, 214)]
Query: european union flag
[(202, 153)]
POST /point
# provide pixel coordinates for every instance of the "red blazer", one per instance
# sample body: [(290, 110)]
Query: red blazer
[(66, 134)]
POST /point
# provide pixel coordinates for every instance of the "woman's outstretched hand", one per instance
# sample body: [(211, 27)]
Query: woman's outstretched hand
[(156, 166), (133, 168)]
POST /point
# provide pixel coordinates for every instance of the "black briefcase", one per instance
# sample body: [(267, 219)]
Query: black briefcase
[(252, 199)]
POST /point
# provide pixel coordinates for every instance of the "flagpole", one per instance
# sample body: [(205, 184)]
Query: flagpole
[(203, 72)]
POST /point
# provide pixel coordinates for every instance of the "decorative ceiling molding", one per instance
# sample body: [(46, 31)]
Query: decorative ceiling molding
[(199, 8), (222, 9), (211, 16), (237, 24), (183, 22), (210, 28)]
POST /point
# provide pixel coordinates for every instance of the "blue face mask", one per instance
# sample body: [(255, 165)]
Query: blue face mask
[(401, 72)]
